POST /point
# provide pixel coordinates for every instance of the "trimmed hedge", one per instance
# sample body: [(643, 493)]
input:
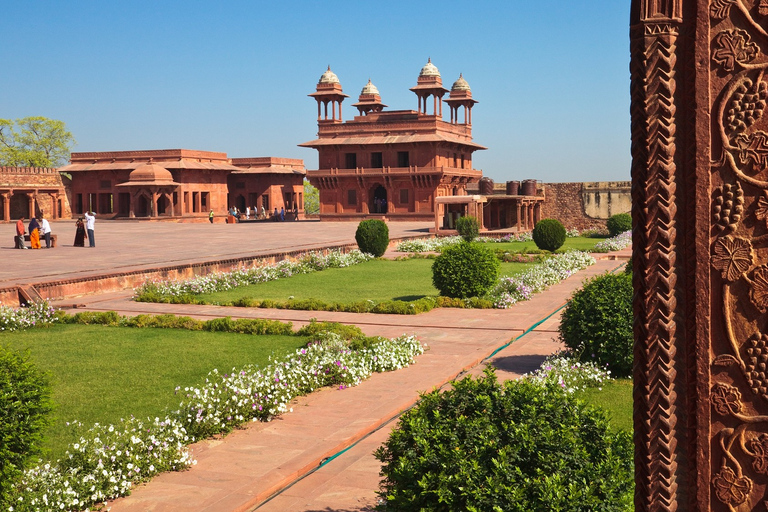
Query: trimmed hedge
[(517, 446), (465, 270), (597, 323), (372, 237), (549, 234), (25, 406), (468, 228), (619, 223)]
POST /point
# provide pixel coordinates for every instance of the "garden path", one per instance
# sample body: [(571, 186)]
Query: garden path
[(283, 459)]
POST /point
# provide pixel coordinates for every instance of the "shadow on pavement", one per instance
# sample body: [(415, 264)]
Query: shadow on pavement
[(518, 364)]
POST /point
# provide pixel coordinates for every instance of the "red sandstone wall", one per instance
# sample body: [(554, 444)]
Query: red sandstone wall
[(565, 202)]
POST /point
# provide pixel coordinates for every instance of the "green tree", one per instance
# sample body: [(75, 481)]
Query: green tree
[(311, 199), (34, 142)]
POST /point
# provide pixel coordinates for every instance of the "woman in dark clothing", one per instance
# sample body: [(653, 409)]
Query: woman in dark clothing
[(80, 233)]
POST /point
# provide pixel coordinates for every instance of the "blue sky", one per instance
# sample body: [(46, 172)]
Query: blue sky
[(551, 77)]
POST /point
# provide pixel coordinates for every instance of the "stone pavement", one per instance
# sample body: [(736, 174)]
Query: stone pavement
[(127, 246), (278, 466)]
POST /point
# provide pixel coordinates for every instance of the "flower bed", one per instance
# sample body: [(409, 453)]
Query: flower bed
[(436, 244), (510, 290), (568, 373), (617, 243), (109, 460), (180, 291), (39, 313)]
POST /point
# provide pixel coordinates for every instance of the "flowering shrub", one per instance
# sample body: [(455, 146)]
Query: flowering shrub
[(510, 290), (427, 244), (107, 461), (617, 243), (227, 400), (166, 291), (568, 373), (38, 313), (438, 244), (572, 233)]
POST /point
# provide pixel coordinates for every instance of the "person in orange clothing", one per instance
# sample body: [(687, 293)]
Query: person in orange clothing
[(34, 233)]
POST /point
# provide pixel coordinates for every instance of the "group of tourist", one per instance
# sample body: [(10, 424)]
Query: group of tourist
[(39, 227), (277, 215)]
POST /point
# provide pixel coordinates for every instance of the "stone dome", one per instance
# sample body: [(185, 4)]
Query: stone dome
[(329, 77), (460, 85), (369, 88), (150, 173), (429, 69)]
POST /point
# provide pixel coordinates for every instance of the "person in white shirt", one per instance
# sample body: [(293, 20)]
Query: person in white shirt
[(90, 220), (45, 229)]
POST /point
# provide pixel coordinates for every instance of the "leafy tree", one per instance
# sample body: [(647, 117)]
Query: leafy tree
[(34, 142), (311, 199)]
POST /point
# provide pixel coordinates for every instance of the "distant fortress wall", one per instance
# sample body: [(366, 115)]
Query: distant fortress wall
[(585, 205)]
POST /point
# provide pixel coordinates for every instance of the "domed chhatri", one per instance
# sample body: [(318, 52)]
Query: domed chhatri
[(369, 100), (329, 77), (460, 85), (369, 88), (150, 173), (429, 69)]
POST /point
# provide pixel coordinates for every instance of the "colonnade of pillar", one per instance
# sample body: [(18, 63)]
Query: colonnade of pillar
[(32, 200)]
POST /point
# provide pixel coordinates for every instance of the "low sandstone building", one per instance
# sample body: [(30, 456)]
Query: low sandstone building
[(180, 183)]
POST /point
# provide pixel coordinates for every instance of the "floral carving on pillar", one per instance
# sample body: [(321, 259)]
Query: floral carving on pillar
[(738, 42)]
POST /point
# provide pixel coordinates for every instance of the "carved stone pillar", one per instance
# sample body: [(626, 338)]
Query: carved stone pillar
[(700, 253)]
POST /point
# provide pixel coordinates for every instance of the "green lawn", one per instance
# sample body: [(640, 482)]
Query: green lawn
[(616, 399), (101, 374), (376, 280), (578, 243)]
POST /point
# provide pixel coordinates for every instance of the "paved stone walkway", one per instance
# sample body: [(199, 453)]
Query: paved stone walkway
[(278, 466)]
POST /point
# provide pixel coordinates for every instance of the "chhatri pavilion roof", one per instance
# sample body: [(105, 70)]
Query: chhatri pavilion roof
[(429, 69), (149, 174), (460, 84), (329, 77)]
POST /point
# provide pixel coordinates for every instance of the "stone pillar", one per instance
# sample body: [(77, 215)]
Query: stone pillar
[(519, 223), (536, 213), (7, 206), (31, 205)]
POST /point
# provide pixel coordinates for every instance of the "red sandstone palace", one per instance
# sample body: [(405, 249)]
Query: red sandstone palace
[(393, 163), (181, 183)]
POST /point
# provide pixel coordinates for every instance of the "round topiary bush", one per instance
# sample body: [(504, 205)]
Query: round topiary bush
[(465, 270), (25, 404), (372, 237), (597, 323), (468, 228), (619, 223), (549, 234), (517, 446)]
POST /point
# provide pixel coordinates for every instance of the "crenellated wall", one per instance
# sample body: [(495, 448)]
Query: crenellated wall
[(26, 191)]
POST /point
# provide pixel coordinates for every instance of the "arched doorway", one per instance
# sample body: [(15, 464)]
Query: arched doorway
[(162, 205), (379, 202), (143, 207)]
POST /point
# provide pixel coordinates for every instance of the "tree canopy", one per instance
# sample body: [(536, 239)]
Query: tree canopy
[(34, 142)]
